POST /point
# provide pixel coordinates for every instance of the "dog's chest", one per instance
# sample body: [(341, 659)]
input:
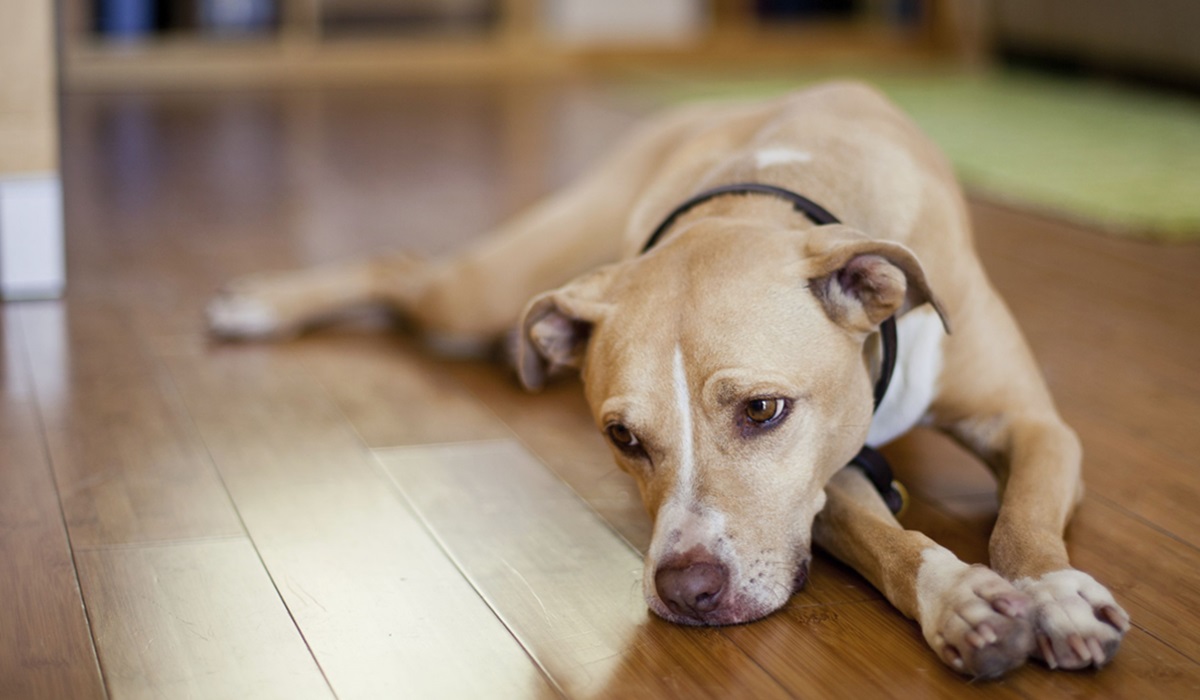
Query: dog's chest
[(915, 381)]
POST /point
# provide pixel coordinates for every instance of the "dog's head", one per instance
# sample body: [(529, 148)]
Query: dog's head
[(727, 370)]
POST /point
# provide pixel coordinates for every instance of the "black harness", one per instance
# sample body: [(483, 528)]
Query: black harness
[(869, 460)]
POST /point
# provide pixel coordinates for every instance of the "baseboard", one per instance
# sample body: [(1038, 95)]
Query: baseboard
[(31, 237)]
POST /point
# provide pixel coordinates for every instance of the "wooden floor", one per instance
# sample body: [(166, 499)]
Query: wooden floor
[(349, 516)]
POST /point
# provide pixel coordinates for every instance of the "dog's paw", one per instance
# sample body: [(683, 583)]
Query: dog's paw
[(1077, 622), (239, 313), (977, 622)]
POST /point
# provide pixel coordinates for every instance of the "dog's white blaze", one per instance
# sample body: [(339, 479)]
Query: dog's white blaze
[(684, 524), (915, 381), (698, 529), (687, 443), (780, 156)]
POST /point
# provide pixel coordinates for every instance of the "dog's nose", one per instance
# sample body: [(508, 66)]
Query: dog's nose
[(692, 589)]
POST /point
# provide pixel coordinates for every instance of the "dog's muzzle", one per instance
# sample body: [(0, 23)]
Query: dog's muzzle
[(697, 589)]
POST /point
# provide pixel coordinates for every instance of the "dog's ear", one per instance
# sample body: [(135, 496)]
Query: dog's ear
[(862, 281), (556, 325)]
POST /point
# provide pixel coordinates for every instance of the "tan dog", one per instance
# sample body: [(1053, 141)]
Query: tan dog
[(731, 366)]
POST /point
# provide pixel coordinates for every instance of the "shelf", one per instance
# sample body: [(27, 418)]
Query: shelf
[(195, 62), (192, 62), (517, 46)]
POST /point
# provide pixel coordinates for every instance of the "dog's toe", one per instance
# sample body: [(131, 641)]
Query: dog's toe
[(1077, 622), (985, 656), (980, 624)]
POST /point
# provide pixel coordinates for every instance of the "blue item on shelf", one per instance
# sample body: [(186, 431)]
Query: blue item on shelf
[(237, 16), (125, 19)]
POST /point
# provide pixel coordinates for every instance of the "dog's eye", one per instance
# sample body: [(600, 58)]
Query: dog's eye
[(623, 437), (765, 411)]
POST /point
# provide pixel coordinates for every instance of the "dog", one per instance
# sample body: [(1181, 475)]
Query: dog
[(734, 365)]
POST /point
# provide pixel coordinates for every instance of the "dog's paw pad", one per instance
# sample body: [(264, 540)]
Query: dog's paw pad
[(236, 315), (1076, 620), (977, 622)]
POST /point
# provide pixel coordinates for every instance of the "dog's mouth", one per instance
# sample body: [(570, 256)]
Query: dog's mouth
[(739, 612), (703, 594), (801, 576)]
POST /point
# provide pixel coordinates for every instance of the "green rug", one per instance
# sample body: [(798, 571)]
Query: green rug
[(1122, 159)]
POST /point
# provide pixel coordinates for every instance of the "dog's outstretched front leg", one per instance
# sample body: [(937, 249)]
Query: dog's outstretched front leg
[(977, 622), (1037, 459), (280, 304)]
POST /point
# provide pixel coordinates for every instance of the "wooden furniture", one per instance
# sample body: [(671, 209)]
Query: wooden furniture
[(520, 43), (30, 194)]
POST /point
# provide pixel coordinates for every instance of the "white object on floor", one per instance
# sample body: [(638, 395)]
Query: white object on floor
[(31, 237)]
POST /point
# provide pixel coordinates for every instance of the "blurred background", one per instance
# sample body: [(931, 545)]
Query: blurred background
[(154, 41), (137, 42)]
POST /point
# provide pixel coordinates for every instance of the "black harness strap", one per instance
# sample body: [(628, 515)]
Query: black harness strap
[(869, 460)]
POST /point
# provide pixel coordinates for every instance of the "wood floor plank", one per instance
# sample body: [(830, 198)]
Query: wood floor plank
[(556, 425), (197, 619), (567, 586), (374, 379), (45, 645), (128, 464), (384, 611), (1158, 275), (1141, 476), (1152, 402), (55, 333)]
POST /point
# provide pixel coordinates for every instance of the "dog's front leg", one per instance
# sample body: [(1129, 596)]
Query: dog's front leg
[(976, 621), (1037, 460), (280, 304)]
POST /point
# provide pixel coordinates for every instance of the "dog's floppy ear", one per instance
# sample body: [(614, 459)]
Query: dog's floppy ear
[(862, 281), (556, 325)]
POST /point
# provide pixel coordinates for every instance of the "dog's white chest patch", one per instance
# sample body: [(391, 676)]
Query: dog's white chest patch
[(767, 157), (915, 381)]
